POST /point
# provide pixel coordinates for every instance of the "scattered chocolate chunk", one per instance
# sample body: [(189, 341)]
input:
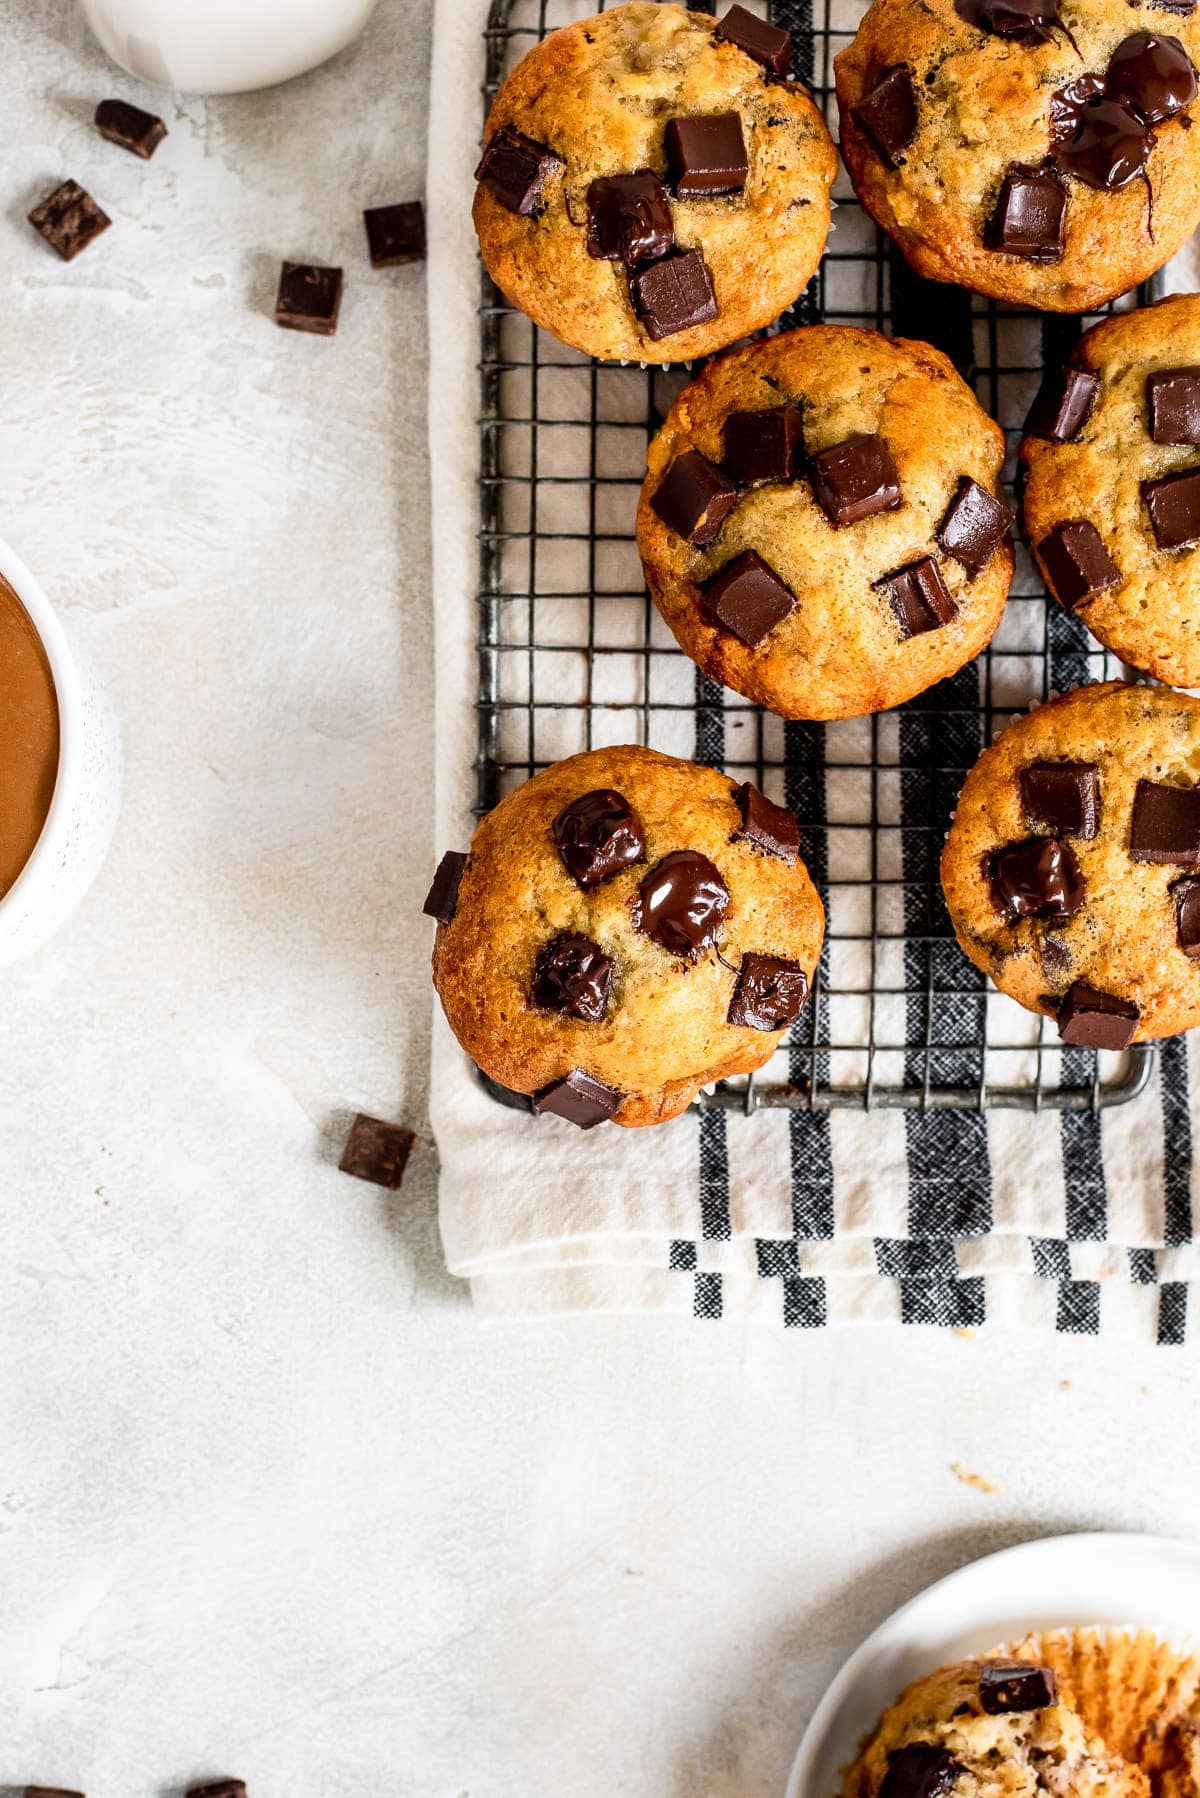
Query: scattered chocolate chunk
[(1090, 1019), (673, 293), (681, 903), (1103, 141), (514, 169), (763, 446), (377, 1151), (1173, 503), (629, 218), (441, 901), (130, 127), (1064, 403), (69, 220), (975, 525), (309, 298), (1006, 1686), (888, 114), (1076, 563), (1055, 955), (769, 993), (767, 44), (219, 1788), (572, 975), (1030, 216), (747, 599), (1024, 21), (694, 498), (1173, 402), (1039, 878), (1063, 797), (395, 234), (579, 1099), (706, 154), (854, 479), (1166, 824), (919, 597), (1152, 74), (920, 1770), (50, 1792), (767, 825), (598, 835), (1186, 894)]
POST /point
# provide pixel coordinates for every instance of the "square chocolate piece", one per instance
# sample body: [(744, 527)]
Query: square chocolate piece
[(769, 993), (629, 219), (706, 154), (1063, 797), (1064, 404), (1090, 1019), (514, 169), (1186, 894), (888, 114), (1173, 402), (395, 234), (579, 1099), (673, 294), (1075, 563), (694, 498), (747, 599), (218, 1788), (975, 525), (855, 479), (1030, 216), (1007, 1686), (920, 1770), (920, 598), (763, 446), (768, 826), (1165, 826), (441, 901), (69, 220), (1173, 503), (767, 44), (377, 1151), (309, 298), (130, 127)]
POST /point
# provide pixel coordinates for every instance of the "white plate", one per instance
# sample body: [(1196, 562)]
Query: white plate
[(1061, 1580)]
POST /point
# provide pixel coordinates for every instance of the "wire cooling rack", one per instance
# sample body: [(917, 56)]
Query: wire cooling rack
[(573, 655)]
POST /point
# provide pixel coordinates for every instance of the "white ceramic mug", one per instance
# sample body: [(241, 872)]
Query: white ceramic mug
[(83, 810), (224, 46)]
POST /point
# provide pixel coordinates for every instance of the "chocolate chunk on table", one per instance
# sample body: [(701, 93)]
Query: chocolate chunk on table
[(694, 498), (572, 976), (1039, 878), (672, 294), (377, 1151), (1153, 74), (1186, 894), (747, 599), (1063, 797), (50, 1792), (1076, 563), (767, 44), (597, 835), (219, 1788), (514, 169), (920, 598), (395, 234), (854, 479), (1173, 503), (1064, 403), (69, 220), (309, 298), (130, 127), (1091, 1019), (441, 901), (579, 1099), (888, 114), (706, 154), (768, 826), (681, 903), (769, 993), (920, 1770), (1029, 220), (1165, 825), (975, 525), (767, 445), (1173, 403), (1007, 1686), (629, 218)]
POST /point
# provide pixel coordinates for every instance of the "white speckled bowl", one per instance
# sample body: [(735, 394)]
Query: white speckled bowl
[(224, 46), (83, 811)]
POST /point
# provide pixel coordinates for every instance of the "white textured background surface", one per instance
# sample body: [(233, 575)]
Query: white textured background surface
[(270, 1502)]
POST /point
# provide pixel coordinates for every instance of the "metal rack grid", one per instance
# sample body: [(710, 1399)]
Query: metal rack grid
[(573, 655)]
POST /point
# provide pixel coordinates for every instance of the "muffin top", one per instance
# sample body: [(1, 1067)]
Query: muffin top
[(1037, 150), (650, 189), (852, 548), (1112, 502)]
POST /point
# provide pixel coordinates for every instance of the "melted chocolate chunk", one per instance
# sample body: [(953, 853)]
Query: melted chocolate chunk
[(1023, 21), (597, 836), (309, 298), (629, 219), (694, 498), (975, 525), (763, 446), (1091, 1019), (681, 903), (1063, 797), (441, 901), (130, 127), (706, 154), (1186, 894), (377, 1151), (1173, 503), (854, 479), (673, 293), (573, 976), (1152, 74), (888, 114), (579, 1099), (1173, 402), (1101, 140), (920, 598), (1166, 824), (395, 234), (69, 220), (767, 44), (1030, 216), (1076, 563), (767, 825), (514, 169), (1039, 878), (1006, 1686), (747, 599), (1064, 403), (920, 1770), (769, 993)]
